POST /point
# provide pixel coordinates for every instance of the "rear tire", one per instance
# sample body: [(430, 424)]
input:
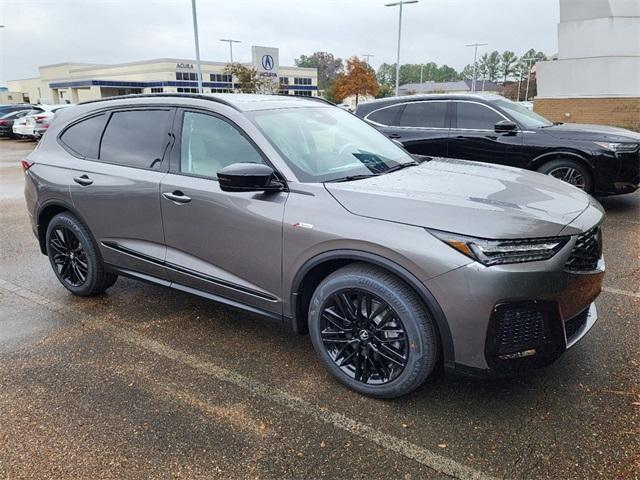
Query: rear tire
[(74, 257), (372, 332), (569, 171)]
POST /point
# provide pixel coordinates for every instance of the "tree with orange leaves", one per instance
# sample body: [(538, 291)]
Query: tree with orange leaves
[(360, 79)]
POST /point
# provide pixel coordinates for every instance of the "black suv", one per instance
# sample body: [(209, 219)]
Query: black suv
[(490, 128)]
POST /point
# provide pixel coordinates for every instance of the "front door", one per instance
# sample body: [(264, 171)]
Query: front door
[(115, 186), (424, 128), (225, 244), (473, 136)]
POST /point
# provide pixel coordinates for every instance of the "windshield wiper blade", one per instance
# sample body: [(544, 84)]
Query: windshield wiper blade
[(401, 166), (348, 178)]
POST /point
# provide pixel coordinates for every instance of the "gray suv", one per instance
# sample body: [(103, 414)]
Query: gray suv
[(297, 210)]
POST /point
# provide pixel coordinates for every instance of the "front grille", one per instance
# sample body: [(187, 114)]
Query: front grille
[(519, 327), (586, 252), (575, 324)]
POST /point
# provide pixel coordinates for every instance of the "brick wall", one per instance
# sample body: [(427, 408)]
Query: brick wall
[(619, 112)]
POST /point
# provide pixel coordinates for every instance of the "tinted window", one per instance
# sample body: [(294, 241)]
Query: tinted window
[(135, 138), (425, 114), (386, 116), (209, 144), (82, 137), (476, 116)]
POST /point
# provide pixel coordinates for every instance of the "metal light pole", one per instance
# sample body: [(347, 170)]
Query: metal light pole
[(421, 86), (475, 58), (231, 42), (367, 56), (400, 4), (195, 38), (526, 95)]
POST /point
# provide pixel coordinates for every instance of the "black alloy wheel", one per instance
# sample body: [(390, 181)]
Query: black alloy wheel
[(570, 175), (364, 337), (68, 257)]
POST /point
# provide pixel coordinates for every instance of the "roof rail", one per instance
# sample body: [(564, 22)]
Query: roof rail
[(157, 95), (313, 99)]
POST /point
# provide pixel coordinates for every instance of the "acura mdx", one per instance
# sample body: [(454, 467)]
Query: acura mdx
[(297, 210)]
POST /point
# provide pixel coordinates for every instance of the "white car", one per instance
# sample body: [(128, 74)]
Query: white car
[(28, 126)]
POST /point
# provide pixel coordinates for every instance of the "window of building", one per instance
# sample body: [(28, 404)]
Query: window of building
[(302, 93), (474, 116), (284, 80), (187, 90), (301, 81), (386, 116), (81, 137), (157, 89), (284, 92), (221, 90), (209, 144), (178, 75), (135, 138), (425, 115), (220, 78)]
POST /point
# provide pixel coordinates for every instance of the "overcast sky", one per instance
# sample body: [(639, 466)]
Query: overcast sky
[(40, 32)]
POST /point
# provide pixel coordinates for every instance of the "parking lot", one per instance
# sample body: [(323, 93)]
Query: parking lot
[(146, 382)]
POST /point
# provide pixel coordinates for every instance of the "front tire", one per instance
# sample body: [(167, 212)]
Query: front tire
[(74, 257), (569, 171), (372, 332)]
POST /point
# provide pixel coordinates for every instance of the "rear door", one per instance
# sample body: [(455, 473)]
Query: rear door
[(115, 186), (228, 244), (424, 127), (473, 135)]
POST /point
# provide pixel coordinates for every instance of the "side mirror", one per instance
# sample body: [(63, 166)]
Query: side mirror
[(248, 177), (505, 126)]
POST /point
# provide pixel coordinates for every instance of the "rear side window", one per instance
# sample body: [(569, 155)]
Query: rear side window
[(386, 116), (82, 137), (474, 116), (425, 115), (135, 138)]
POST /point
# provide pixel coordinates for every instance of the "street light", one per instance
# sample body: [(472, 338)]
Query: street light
[(367, 56), (529, 59), (195, 38), (400, 4), (475, 57), (230, 42)]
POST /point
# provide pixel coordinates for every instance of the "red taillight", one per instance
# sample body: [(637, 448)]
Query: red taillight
[(26, 164), (40, 118), (2, 122)]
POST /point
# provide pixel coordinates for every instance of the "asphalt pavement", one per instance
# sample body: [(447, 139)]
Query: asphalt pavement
[(146, 382)]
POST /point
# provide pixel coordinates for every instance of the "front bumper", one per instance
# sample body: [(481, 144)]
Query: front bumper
[(506, 317)]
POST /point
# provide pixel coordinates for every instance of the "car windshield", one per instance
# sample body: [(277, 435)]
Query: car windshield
[(322, 144), (522, 115)]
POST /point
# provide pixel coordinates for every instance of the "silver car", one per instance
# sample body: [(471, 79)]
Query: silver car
[(297, 210)]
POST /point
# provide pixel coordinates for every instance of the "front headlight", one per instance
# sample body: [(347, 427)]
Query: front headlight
[(618, 147), (499, 252)]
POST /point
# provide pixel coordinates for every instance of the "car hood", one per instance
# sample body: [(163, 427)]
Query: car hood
[(470, 198), (597, 133)]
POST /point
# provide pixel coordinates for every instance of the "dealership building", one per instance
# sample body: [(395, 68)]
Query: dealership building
[(78, 82)]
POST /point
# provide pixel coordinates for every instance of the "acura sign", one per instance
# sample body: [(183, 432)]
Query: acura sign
[(265, 60)]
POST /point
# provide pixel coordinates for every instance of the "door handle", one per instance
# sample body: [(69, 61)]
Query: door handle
[(176, 196), (395, 135), (83, 180)]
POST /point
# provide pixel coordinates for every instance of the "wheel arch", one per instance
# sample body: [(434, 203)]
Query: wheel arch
[(46, 212), (540, 160), (317, 268)]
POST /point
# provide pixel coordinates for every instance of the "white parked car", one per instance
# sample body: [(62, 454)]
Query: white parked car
[(29, 126)]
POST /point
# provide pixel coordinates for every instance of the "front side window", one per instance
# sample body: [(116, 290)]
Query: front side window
[(82, 137), (522, 115), (209, 144), (135, 138), (324, 143), (425, 115), (474, 116)]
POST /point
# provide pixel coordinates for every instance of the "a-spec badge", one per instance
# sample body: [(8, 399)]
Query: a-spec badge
[(302, 225)]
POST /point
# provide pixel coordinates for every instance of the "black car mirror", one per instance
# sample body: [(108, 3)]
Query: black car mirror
[(248, 177), (505, 126)]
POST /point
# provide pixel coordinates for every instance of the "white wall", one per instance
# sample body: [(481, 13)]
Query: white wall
[(611, 36)]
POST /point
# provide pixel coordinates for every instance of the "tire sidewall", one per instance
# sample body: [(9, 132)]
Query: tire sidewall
[(67, 221), (417, 340), (547, 167)]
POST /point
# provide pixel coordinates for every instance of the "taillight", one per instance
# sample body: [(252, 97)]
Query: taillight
[(25, 164), (2, 122), (40, 118)]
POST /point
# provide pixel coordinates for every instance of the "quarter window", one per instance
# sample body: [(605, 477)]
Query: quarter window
[(386, 116), (475, 116), (425, 115), (81, 137), (135, 138), (209, 144)]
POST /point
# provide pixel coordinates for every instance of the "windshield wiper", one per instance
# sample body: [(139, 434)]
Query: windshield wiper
[(401, 166), (348, 178)]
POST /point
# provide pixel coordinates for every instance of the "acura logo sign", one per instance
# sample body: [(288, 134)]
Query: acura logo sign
[(267, 62)]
